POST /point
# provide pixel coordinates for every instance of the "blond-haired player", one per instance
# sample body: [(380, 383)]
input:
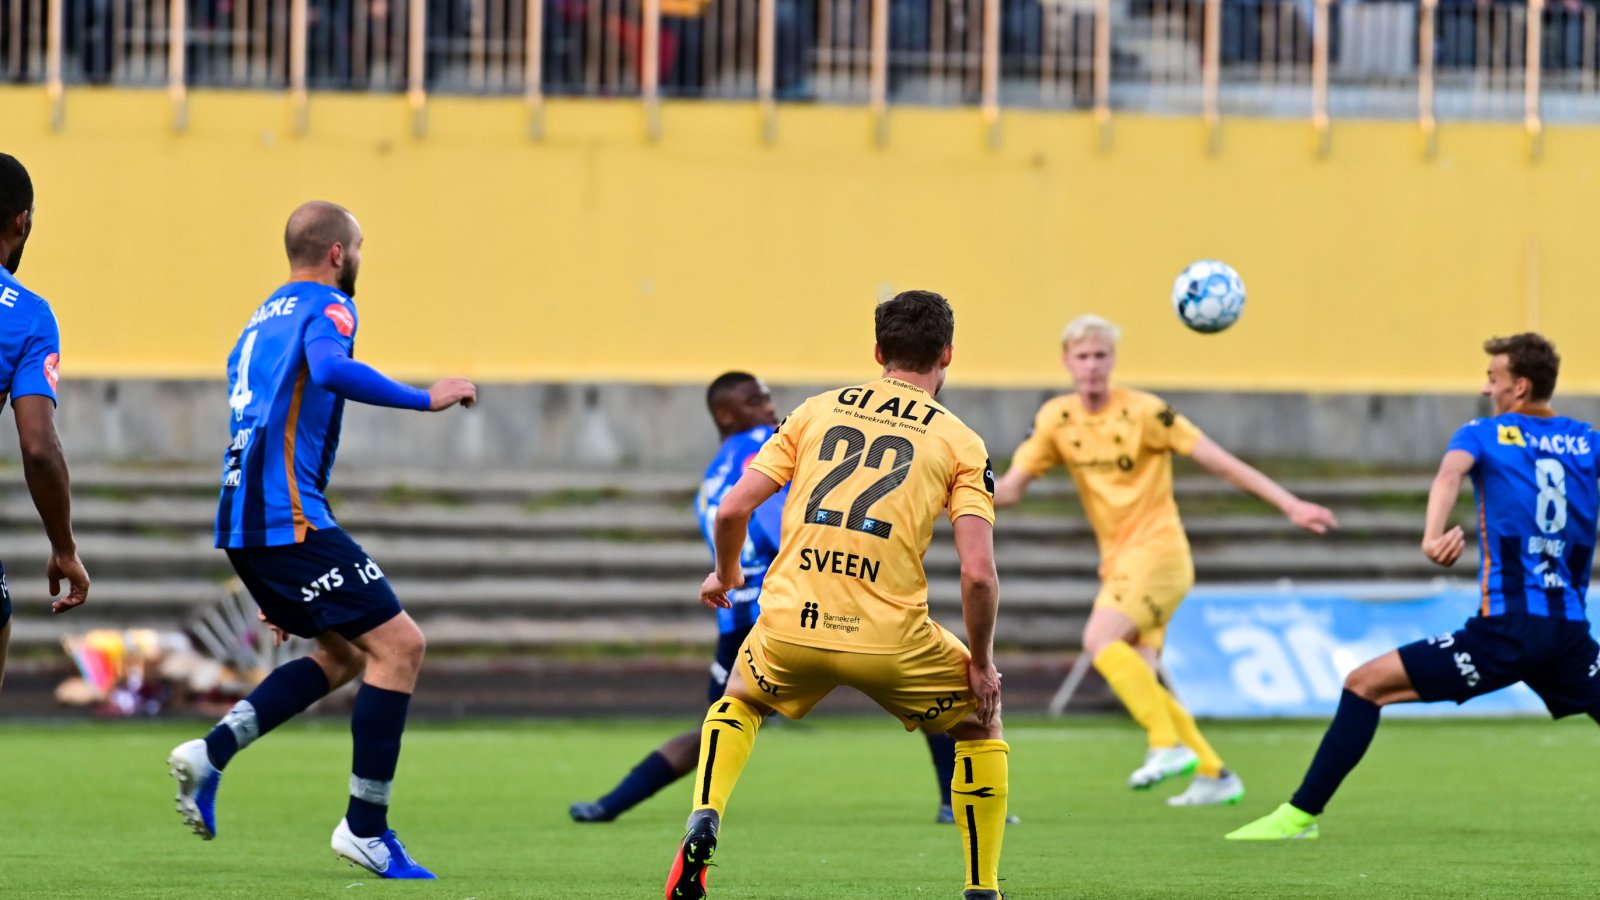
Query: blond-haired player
[(1117, 444), (870, 468)]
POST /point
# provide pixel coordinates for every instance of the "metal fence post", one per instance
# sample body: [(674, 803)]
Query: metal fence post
[(1531, 119), (1319, 76), (766, 69), (991, 69), (177, 62), (650, 69), (533, 69), (1427, 29), (878, 89), (1211, 75), (416, 67), (54, 87), (298, 99), (1102, 70)]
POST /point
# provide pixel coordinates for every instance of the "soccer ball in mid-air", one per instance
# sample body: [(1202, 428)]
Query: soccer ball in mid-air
[(1208, 295)]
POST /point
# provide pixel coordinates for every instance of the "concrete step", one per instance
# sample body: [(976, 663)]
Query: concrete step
[(129, 557), (576, 487), (629, 521)]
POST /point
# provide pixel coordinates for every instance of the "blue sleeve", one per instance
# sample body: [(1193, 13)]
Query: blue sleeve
[(332, 369), (766, 526), (1466, 438), (335, 320), (41, 355)]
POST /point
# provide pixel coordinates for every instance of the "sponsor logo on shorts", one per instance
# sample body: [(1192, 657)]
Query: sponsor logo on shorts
[(767, 687), (940, 707), (1443, 641), (334, 579), (1469, 672)]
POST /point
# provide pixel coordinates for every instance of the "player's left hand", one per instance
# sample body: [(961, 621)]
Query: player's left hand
[(1312, 517), (714, 594)]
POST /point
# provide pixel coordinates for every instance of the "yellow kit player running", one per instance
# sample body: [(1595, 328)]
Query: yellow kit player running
[(1118, 445), (870, 469)]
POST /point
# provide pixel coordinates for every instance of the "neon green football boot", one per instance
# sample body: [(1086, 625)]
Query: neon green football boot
[(1282, 824)]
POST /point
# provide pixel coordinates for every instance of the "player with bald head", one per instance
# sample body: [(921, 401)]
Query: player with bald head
[(289, 376), (30, 353)]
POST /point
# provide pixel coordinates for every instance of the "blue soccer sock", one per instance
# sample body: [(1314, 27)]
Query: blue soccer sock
[(943, 749), (375, 728), (284, 694), (1347, 740), (652, 774)]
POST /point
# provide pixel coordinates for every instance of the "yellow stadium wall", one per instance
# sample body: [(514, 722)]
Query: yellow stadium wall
[(595, 254)]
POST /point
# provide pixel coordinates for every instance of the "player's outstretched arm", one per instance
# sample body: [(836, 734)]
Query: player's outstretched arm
[(1242, 475), (980, 604), (729, 531), (1441, 546), (333, 369), (1009, 489), (44, 466)]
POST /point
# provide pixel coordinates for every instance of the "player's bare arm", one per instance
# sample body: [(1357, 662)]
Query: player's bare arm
[(731, 529), (1009, 489), (44, 466), (980, 603), (1441, 546), (1218, 461)]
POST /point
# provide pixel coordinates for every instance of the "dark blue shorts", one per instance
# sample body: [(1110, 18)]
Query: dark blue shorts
[(5, 598), (1559, 659), (326, 583), (728, 645)]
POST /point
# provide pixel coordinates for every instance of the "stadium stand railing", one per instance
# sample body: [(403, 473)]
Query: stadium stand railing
[(1319, 59)]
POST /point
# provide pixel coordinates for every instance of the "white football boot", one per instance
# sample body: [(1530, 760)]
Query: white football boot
[(1161, 763), (383, 856), (1224, 790)]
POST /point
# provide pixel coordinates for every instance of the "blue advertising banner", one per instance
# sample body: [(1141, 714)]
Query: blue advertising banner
[(1286, 653)]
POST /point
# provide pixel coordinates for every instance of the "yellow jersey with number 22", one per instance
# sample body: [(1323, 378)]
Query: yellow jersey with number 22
[(870, 469)]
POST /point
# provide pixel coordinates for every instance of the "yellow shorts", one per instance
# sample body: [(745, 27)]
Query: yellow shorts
[(925, 685), (1147, 589)]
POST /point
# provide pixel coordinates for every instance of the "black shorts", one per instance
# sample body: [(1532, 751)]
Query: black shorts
[(5, 598), (727, 651), (1559, 659), (326, 583)]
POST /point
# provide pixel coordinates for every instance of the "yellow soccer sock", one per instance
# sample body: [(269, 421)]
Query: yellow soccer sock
[(979, 793), (1189, 733), (1136, 686), (726, 739)]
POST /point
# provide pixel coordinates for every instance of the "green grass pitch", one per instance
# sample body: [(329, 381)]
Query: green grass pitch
[(829, 808)]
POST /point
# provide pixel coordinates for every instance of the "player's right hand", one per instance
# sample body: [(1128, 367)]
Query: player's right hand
[(447, 392), (67, 566), (985, 683), (1446, 548), (714, 594)]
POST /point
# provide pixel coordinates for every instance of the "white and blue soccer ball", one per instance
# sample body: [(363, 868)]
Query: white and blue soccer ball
[(1208, 295)]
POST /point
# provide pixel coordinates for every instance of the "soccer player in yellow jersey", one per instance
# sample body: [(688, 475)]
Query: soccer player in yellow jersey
[(870, 468), (1117, 444)]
